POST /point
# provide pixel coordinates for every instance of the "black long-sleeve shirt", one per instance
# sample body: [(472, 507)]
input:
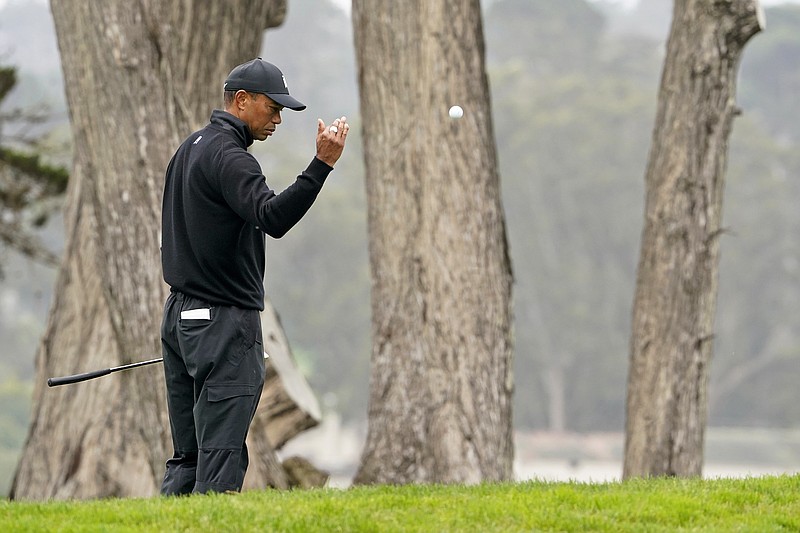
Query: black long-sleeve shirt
[(217, 207)]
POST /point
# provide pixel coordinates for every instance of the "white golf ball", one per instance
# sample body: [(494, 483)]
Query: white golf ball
[(456, 112)]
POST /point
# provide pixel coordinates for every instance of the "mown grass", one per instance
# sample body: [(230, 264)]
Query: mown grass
[(751, 504)]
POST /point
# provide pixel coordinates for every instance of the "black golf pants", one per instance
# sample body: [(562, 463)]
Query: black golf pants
[(214, 370)]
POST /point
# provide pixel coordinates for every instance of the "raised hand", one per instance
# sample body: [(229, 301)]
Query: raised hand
[(330, 140)]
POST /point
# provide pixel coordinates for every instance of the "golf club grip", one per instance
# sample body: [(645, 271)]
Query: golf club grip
[(66, 380)]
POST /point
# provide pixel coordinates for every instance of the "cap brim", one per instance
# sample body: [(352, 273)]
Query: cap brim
[(287, 101)]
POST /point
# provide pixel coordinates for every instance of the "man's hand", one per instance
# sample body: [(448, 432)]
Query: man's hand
[(330, 140)]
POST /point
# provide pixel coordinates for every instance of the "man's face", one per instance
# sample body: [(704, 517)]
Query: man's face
[(261, 114)]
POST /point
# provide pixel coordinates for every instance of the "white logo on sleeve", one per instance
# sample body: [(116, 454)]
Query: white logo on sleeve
[(198, 139)]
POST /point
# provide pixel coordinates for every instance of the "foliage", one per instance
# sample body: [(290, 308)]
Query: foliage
[(573, 201), (8, 79), (53, 178), (764, 504), (23, 310), (551, 37), (573, 146), (571, 172), (15, 399), (27, 186), (758, 319), (770, 73)]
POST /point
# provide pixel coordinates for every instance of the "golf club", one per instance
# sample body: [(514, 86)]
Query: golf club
[(66, 380)]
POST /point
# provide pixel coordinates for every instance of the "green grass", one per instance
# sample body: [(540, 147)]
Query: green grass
[(752, 504)]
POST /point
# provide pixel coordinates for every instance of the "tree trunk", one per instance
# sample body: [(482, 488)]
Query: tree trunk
[(676, 286), (139, 77), (441, 369)]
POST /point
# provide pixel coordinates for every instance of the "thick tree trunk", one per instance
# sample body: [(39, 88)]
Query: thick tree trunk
[(139, 77), (441, 382), (676, 287)]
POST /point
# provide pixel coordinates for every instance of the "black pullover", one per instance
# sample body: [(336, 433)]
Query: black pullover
[(217, 208)]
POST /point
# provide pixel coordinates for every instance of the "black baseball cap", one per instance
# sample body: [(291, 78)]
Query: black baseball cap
[(258, 76)]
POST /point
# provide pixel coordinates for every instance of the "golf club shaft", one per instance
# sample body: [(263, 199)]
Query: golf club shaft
[(66, 380)]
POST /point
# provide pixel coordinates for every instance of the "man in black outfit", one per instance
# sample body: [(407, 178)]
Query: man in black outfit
[(217, 209)]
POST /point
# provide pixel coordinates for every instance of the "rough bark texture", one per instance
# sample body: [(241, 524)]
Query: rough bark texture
[(676, 288), (288, 402), (139, 77), (441, 378), (303, 475)]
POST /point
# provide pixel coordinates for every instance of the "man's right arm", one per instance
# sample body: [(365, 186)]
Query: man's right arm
[(245, 189)]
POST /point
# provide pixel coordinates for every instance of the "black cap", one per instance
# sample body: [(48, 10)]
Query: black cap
[(258, 76)]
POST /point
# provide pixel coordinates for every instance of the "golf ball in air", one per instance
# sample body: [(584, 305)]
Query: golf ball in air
[(456, 112)]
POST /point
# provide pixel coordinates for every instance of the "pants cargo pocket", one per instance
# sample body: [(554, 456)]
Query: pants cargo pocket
[(218, 392), (229, 408)]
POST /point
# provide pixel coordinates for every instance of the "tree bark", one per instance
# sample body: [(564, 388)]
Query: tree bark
[(288, 402), (676, 287), (139, 77), (441, 365)]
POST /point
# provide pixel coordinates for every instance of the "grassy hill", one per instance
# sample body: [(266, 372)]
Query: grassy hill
[(753, 504)]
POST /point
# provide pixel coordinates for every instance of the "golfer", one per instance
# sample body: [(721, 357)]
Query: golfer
[(217, 209)]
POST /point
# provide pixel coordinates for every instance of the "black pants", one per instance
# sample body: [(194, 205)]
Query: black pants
[(214, 369)]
